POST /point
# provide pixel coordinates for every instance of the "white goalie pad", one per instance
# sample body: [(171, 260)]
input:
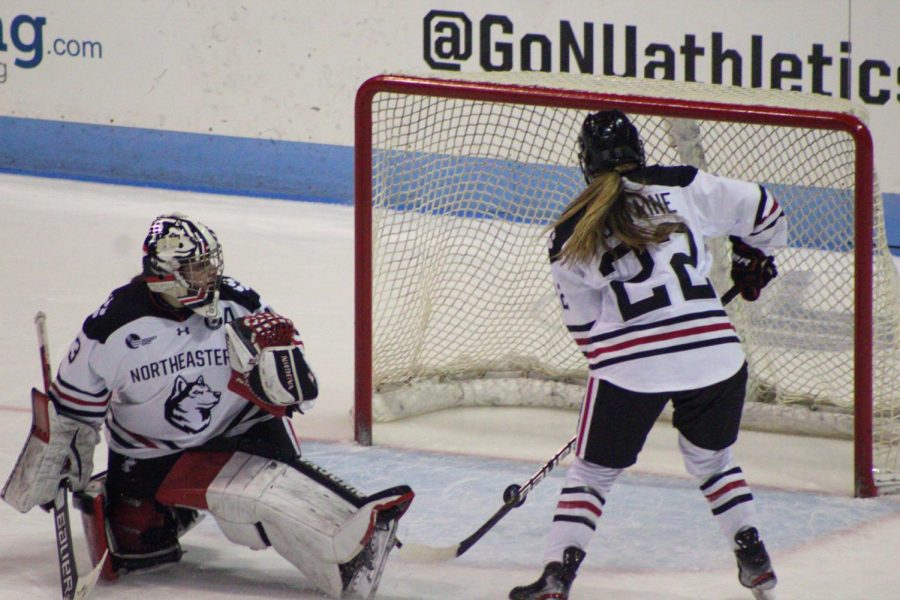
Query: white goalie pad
[(259, 502)]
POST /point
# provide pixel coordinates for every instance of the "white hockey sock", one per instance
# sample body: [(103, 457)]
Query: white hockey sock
[(730, 501), (722, 483), (579, 507)]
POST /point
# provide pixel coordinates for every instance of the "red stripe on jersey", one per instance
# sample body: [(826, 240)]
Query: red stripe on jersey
[(773, 207), (585, 412), (74, 400), (658, 338), (579, 504), (725, 489), (142, 439), (137, 437)]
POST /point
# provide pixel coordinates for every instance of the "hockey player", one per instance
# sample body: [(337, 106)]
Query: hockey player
[(630, 262), (195, 378)]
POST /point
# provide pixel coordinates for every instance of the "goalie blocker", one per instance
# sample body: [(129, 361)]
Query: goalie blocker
[(268, 365), (338, 541)]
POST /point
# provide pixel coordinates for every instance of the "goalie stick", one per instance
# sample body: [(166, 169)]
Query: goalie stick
[(73, 587), (513, 497)]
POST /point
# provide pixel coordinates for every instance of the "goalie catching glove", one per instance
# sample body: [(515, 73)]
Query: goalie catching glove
[(268, 364), (751, 269)]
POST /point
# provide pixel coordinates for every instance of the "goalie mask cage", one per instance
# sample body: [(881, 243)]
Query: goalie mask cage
[(456, 180)]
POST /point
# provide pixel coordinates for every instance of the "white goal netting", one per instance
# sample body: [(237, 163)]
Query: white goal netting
[(464, 311)]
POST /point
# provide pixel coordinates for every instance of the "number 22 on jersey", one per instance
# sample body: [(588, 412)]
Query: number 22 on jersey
[(650, 276)]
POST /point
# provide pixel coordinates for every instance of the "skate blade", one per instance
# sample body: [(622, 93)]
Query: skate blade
[(763, 594), (365, 587)]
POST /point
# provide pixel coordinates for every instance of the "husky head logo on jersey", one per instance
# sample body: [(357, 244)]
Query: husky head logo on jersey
[(183, 262), (190, 404)]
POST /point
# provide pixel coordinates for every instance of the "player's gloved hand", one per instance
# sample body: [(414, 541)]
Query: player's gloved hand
[(268, 364), (751, 269), (68, 453)]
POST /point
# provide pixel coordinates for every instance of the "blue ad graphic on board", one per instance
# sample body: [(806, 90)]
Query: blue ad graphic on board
[(22, 44)]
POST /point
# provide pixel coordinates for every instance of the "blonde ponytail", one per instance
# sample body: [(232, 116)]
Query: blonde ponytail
[(607, 213)]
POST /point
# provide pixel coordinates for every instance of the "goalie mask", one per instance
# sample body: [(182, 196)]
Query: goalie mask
[(608, 139), (183, 262)]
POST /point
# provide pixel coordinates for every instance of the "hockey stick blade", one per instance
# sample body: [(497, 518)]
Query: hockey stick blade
[(431, 554), (422, 553), (86, 584)]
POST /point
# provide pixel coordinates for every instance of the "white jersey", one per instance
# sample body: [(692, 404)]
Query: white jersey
[(652, 322), (156, 376)]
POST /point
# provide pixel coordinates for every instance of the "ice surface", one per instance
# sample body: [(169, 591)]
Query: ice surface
[(65, 245)]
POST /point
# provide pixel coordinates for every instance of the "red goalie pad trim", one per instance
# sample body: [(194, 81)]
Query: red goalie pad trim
[(403, 501), (40, 415), (94, 521), (92, 504), (190, 477)]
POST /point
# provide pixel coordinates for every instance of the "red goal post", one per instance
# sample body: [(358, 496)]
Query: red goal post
[(396, 115)]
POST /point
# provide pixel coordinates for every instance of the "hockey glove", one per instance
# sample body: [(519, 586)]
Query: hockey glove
[(268, 364), (68, 452), (751, 269)]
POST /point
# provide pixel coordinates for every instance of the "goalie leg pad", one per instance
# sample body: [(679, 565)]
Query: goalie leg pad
[(259, 501)]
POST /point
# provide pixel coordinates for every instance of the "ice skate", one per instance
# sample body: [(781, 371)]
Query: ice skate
[(362, 574), (555, 581), (754, 567)]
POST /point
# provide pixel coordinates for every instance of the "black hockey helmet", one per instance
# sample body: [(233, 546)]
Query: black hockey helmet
[(608, 139)]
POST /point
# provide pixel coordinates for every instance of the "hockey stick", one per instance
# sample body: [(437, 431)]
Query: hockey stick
[(513, 497), (73, 587), (730, 295)]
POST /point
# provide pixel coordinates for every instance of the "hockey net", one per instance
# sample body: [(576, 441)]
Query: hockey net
[(455, 304)]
